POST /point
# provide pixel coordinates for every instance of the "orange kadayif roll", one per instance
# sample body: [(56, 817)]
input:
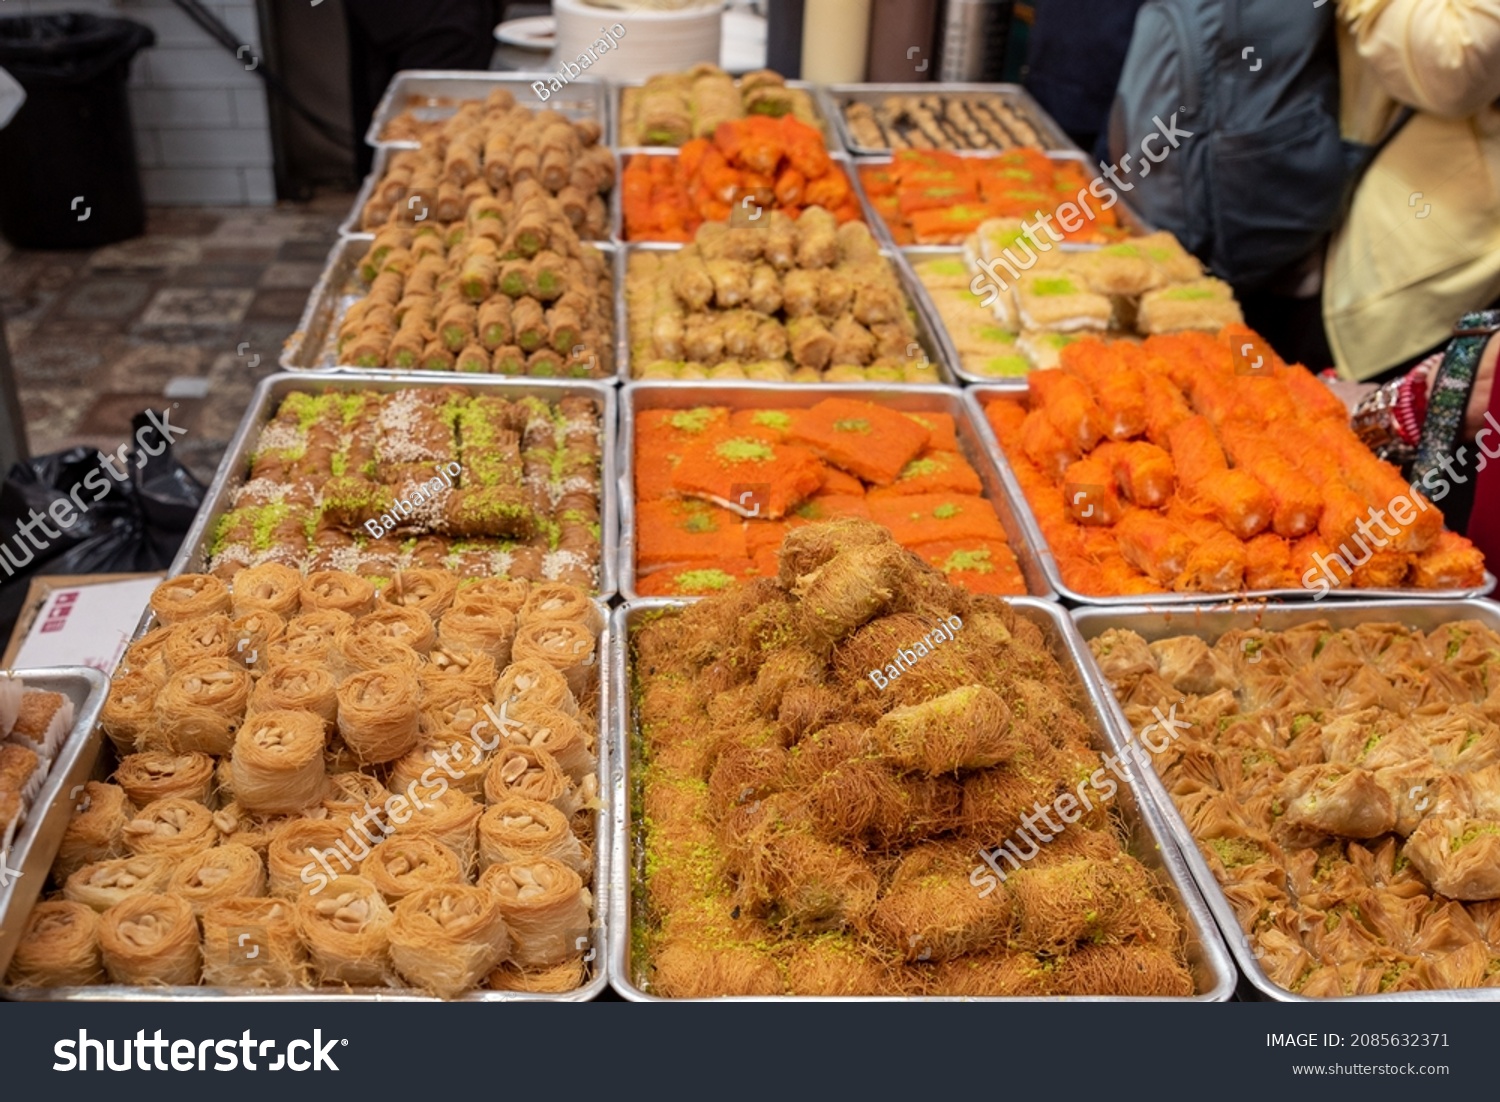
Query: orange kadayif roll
[(1045, 446), (1203, 472), (1070, 407), (1089, 492), (1295, 502), (1153, 545), (1379, 483), (1452, 562), (1268, 563), (1165, 408), (1214, 565), (1113, 372), (1143, 472)]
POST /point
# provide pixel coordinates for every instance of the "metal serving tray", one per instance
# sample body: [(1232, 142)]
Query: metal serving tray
[(313, 346), (352, 225), (617, 116), (836, 96), (1149, 837), (1209, 622), (1134, 224), (235, 466), (40, 835), (929, 343), (979, 395), (97, 761), (436, 94), (639, 397)]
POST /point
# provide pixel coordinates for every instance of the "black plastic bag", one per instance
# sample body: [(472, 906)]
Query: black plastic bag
[(86, 512)]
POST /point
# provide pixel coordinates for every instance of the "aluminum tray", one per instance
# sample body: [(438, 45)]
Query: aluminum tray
[(978, 395), (1149, 835), (935, 399), (193, 556), (101, 760), (836, 96), (438, 92), (929, 343), (1209, 622), (1129, 218), (840, 158), (352, 226), (617, 116), (312, 347), (40, 835)]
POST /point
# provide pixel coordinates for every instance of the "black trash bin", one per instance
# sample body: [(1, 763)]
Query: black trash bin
[(68, 173)]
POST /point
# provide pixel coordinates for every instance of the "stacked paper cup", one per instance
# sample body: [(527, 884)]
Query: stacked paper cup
[(654, 41)]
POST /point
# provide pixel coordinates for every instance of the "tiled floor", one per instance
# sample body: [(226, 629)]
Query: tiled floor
[(207, 295)]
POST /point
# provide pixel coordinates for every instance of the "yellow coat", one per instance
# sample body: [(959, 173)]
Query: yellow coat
[(1422, 242)]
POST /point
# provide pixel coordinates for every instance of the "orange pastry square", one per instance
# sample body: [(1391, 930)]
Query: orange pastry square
[(933, 518), (862, 438), (749, 474), (933, 472), (676, 531), (980, 566)]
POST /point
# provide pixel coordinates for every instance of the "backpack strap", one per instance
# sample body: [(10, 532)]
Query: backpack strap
[(1450, 392)]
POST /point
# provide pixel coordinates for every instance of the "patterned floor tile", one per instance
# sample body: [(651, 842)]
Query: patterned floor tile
[(147, 254), (197, 307), (147, 368), (114, 300), (278, 304), (292, 275)]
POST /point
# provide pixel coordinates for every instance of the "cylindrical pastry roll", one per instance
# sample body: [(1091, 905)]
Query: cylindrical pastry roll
[(310, 637), (244, 827), (251, 636), (560, 978), (174, 828), (408, 862), (355, 651), (408, 625), (449, 816), (156, 775), (350, 792), (555, 601), (195, 640), (145, 656), (379, 714), (200, 708), (96, 831), (252, 943), (481, 623), (103, 884), (523, 830), (511, 593), (336, 591), (529, 773), (428, 591), (545, 907), (566, 646), (458, 661), (562, 736), (298, 687), (272, 586), (460, 758), (535, 681), (189, 597), (278, 762), (59, 947), (453, 707), (346, 928), (224, 872), (309, 852), (130, 710), (446, 939), (151, 940)]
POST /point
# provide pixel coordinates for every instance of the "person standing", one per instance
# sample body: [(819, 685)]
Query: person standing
[(386, 36), (1074, 56)]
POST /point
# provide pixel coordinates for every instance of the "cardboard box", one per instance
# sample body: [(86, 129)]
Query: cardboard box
[(78, 620)]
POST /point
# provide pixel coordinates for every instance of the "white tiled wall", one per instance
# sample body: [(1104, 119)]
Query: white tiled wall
[(200, 118)]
